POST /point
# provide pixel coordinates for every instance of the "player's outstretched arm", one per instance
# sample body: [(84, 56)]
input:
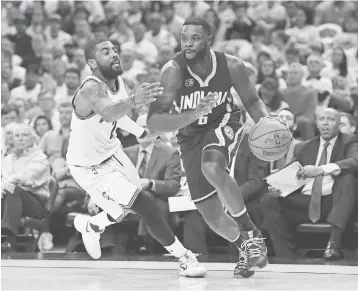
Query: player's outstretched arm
[(241, 83), (95, 93), (159, 118)]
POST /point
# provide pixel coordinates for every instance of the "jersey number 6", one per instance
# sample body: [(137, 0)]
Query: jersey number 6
[(203, 120)]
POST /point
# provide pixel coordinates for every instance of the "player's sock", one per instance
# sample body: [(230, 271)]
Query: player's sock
[(176, 249), (100, 221), (244, 221)]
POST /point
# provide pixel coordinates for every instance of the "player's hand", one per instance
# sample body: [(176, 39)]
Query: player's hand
[(206, 104), (147, 93), (92, 207)]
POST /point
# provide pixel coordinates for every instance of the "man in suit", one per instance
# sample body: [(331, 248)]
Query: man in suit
[(287, 116), (160, 172), (330, 163)]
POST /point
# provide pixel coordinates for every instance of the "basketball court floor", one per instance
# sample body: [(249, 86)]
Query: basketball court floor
[(70, 274)]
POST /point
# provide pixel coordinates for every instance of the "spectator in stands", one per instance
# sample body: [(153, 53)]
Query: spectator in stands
[(83, 33), (42, 125), (173, 22), (322, 85), (58, 70), (158, 34), (301, 100), (21, 39), (38, 24), (160, 172), (271, 95), (340, 69), (55, 141), (46, 106), (267, 69), (25, 183), (8, 114), (55, 36), (333, 12), (303, 32), (5, 92), (12, 75), (348, 123), (131, 67), (143, 48), (80, 60), (31, 88), (38, 47), (330, 163), (72, 83), (289, 118), (278, 46), (20, 107)]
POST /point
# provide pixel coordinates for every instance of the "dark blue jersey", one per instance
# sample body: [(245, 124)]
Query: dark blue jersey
[(193, 88)]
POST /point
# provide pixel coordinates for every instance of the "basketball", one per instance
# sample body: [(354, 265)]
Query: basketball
[(270, 139)]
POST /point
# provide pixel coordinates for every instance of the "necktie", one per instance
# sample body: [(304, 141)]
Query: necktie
[(315, 204), (143, 164)]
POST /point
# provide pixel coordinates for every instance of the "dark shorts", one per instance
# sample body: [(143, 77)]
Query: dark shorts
[(225, 137)]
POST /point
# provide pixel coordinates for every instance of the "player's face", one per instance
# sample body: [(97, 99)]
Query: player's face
[(108, 61), (288, 117), (328, 124), (195, 42)]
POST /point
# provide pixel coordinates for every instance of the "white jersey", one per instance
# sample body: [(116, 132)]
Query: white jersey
[(93, 140)]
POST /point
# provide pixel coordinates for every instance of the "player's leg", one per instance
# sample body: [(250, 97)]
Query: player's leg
[(159, 229), (220, 149), (205, 197)]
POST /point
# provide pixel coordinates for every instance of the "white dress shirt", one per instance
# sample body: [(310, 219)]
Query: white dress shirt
[(330, 169)]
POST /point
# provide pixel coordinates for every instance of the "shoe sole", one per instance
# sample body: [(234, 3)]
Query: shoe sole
[(245, 275), (197, 273)]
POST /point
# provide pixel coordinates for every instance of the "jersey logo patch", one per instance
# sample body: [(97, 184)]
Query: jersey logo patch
[(229, 132), (189, 83)]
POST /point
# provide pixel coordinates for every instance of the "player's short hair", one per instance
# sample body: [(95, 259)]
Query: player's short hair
[(351, 119), (91, 48), (199, 21)]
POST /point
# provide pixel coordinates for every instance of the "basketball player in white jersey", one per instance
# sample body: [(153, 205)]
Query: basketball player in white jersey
[(98, 163)]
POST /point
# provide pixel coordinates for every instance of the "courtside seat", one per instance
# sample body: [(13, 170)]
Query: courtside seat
[(314, 227)]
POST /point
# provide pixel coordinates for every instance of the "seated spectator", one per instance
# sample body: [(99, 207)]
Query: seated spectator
[(173, 22), (83, 33), (322, 85), (12, 74), (303, 32), (289, 118), (55, 36), (5, 92), (292, 56), (31, 88), (301, 100), (267, 69), (8, 140), (158, 34), (144, 50), (55, 141), (72, 83), (348, 123), (160, 172), (80, 60), (25, 183), (42, 125), (20, 106), (46, 106), (131, 66), (329, 165), (278, 46), (271, 95), (332, 12), (8, 114)]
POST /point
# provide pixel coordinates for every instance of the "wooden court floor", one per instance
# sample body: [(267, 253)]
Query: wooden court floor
[(142, 275)]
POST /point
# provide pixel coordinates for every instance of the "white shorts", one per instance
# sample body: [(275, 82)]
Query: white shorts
[(113, 185)]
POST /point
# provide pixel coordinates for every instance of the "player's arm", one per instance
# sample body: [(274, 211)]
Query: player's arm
[(159, 118), (95, 93), (241, 83)]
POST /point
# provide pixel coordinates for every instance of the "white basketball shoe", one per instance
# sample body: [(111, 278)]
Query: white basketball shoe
[(90, 238), (190, 267)]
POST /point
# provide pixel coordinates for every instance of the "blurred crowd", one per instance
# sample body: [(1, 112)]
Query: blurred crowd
[(301, 56)]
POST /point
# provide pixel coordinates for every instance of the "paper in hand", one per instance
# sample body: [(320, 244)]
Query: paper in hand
[(286, 179)]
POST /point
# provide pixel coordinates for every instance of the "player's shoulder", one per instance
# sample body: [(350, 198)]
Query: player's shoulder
[(91, 86), (172, 73)]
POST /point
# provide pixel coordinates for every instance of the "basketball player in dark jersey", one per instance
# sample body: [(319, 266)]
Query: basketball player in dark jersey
[(197, 85)]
